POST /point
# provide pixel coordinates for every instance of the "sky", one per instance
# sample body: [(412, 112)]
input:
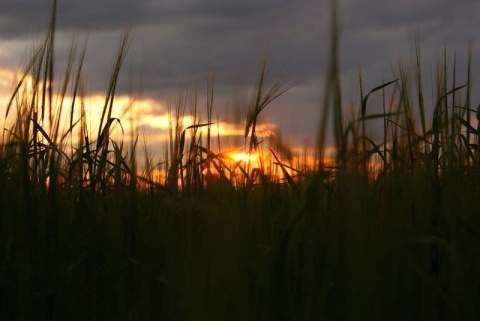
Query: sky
[(175, 43)]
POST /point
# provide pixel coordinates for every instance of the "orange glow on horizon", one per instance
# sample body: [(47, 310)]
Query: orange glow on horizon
[(244, 157), (137, 117)]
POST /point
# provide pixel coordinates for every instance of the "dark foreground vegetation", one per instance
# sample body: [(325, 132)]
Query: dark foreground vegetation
[(389, 231)]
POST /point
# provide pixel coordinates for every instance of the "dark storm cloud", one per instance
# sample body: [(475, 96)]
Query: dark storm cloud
[(27, 16), (19, 16), (439, 22), (184, 37), (233, 38), (378, 33)]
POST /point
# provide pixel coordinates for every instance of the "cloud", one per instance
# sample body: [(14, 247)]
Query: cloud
[(176, 42), (32, 16)]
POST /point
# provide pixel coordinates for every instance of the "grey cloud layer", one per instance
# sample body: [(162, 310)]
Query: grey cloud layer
[(176, 39), (187, 35)]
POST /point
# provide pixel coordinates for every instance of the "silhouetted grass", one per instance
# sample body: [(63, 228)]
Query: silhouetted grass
[(388, 230)]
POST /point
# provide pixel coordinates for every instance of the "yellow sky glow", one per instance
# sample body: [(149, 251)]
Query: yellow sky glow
[(134, 114)]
